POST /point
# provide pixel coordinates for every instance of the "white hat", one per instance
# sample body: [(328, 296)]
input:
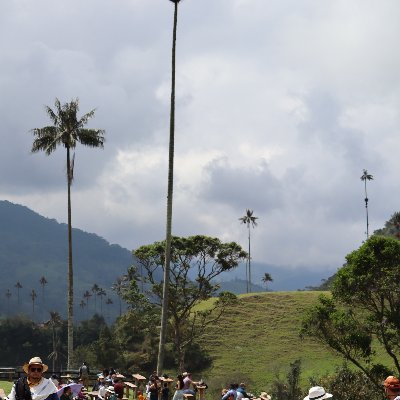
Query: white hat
[(110, 389), (317, 393), (36, 361)]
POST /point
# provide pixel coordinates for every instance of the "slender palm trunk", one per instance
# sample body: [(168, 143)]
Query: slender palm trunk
[(70, 299), (54, 349), (249, 262), (164, 311), (366, 205)]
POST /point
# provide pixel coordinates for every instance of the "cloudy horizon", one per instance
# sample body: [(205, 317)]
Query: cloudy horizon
[(279, 108)]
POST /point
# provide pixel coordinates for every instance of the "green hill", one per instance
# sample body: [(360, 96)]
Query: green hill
[(32, 246), (258, 339)]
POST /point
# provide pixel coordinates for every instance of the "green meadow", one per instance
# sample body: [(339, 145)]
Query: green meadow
[(257, 339)]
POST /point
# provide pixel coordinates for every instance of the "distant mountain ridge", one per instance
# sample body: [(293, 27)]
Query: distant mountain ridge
[(32, 246)]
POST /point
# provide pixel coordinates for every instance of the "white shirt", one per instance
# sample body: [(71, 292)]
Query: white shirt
[(39, 392)]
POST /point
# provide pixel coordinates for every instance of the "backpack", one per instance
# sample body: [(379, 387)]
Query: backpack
[(22, 390)]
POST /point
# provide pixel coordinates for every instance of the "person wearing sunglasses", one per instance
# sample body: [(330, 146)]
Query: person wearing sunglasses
[(34, 386)]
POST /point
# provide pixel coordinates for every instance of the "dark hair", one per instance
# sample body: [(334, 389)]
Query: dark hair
[(66, 389)]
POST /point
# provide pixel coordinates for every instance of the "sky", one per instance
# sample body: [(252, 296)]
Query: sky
[(280, 105)]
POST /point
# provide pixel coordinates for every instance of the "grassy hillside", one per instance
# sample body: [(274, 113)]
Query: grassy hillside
[(259, 338)]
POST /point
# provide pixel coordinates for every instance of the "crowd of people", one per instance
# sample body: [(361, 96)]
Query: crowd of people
[(109, 386)]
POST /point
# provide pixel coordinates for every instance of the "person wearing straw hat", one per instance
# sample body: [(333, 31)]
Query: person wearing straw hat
[(34, 386), (392, 388), (317, 393)]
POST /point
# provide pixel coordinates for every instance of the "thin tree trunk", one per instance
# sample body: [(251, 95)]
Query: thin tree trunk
[(249, 263), (164, 311), (70, 299)]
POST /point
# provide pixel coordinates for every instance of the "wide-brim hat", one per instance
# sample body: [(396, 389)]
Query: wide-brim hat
[(35, 361), (317, 392), (110, 389), (265, 396)]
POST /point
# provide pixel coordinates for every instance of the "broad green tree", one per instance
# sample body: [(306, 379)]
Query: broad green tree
[(249, 219), (195, 262), (168, 233), (364, 308), (67, 130)]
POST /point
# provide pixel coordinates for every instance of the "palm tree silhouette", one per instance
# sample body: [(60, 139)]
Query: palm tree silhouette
[(18, 286), (95, 290), (267, 278), (43, 283), (54, 322), (101, 293), (33, 296), (8, 295), (366, 177), (168, 235), (67, 130), (248, 219)]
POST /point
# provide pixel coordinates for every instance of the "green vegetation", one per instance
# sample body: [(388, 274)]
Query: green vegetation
[(260, 337), (363, 313), (6, 386)]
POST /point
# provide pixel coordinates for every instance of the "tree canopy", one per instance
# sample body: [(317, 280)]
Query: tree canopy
[(364, 308), (195, 262)]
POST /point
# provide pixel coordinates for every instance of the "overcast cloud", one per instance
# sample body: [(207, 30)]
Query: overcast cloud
[(280, 106)]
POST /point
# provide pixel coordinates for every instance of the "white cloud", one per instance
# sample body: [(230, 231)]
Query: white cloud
[(279, 107)]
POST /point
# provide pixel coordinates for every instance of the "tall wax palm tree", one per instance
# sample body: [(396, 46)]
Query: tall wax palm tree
[(87, 295), (118, 287), (266, 279), (366, 177), (54, 322), (168, 234), (8, 295), (18, 286), (43, 283), (101, 293), (248, 219), (33, 296), (109, 302), (95, 290), (67, 130)]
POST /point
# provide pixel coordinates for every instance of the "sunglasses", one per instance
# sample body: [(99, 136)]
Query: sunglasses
[(35, 369)]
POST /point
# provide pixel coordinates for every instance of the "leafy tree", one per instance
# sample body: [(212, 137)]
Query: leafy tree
[(392, 227), (249, 219), (195, 262), (366, 177), (168, 234), (67, 130), (365, 305), (289, 389), (267, 278)]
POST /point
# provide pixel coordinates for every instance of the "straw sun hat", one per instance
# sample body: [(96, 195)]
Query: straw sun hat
[(317, 392), (35, 361)]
